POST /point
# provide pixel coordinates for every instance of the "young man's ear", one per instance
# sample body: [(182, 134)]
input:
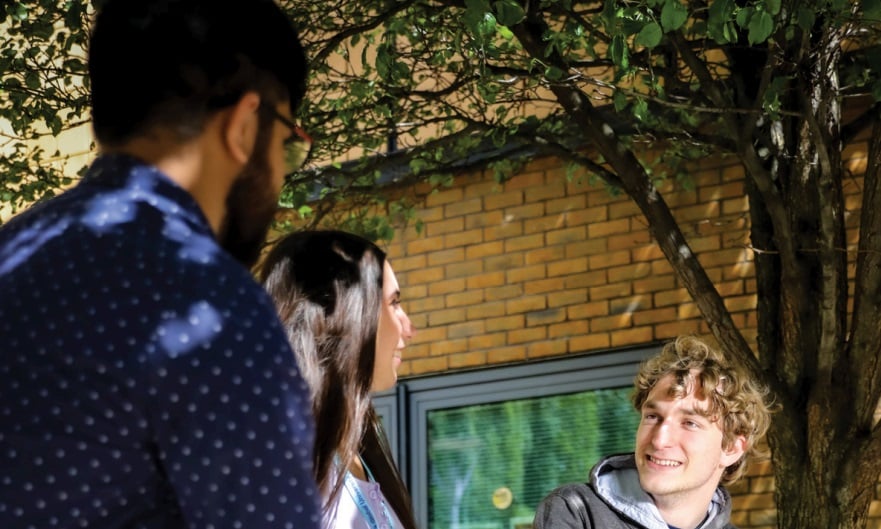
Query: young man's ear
[(240, 127), (732, 453)]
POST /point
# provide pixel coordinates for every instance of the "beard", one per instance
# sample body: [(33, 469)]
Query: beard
[(250, 207)]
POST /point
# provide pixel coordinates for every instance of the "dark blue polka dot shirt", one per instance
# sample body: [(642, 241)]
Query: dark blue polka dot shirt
[(145, 381)]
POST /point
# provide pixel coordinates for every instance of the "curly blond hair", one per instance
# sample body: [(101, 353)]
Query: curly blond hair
[(739, 402)]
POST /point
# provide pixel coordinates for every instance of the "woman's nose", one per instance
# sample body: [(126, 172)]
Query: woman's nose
[(408, 330)]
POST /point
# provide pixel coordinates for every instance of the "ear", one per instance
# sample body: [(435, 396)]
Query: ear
[(240, 127), (734, 452)]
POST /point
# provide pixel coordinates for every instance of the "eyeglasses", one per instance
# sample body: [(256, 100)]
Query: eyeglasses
[(297, 146)]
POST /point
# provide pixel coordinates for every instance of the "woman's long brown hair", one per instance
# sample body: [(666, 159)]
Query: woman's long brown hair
[(327, 287)]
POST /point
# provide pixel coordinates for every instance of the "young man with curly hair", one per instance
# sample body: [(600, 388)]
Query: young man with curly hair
[(701, 419)]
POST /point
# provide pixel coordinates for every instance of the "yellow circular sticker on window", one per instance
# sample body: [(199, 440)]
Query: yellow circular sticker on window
[(502, 498)]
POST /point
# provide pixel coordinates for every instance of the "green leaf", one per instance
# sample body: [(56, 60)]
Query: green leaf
[(478, 19), (721, 12), (19, 11), (73, 13), (32, 80), (650, 36), (761, 25), (772, 6), (55, 124), (620, 100), (618, 52), (632, 25), (729, 33), (43, 30), (641, 110), (552, 73), (718, 21), (610, 14), (487, 25), (74, 65), (384, 61), (744, 16), (509, 12), (489, 91), (771, 97), (673, 15), (417, 165)]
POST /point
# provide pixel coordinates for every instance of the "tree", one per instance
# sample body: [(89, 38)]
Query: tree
[(426, 86), (42, 93)]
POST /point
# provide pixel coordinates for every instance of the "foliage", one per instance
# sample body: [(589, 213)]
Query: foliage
[(43, 91)]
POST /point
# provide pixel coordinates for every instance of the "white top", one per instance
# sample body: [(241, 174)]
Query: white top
[(346, 515)]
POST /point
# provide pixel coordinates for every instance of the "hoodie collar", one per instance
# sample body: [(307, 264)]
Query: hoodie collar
[(616, 480)]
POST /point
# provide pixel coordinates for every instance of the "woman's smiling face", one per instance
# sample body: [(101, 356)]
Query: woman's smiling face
[(392, 335)]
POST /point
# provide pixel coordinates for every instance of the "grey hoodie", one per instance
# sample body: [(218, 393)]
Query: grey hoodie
[(614, 500)]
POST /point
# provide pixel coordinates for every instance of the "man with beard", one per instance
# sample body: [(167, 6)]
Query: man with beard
[(145, 380), (701, 418)]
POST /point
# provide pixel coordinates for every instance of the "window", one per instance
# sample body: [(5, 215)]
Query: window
[(480, 449)]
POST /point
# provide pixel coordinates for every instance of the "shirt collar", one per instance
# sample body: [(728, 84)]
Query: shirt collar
[(140, 180)]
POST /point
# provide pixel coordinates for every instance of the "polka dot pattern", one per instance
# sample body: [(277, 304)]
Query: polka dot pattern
[(144, 378)]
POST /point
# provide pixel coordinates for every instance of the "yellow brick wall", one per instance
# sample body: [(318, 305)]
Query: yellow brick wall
[(539, 266), (543, 267)]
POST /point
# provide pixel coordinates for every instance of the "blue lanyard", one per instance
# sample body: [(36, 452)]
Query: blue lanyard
[(361, 501)]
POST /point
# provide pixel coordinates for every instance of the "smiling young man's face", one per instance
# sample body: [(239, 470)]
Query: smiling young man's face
[(679, 453)]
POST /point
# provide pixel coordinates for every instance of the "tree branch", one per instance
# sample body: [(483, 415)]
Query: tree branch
[(699, 68), (329, 45), (639, 187)]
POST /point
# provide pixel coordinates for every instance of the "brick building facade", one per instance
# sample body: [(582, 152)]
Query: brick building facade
[(542, 267)]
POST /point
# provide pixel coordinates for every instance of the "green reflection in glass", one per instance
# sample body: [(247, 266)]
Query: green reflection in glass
[(525, 447)]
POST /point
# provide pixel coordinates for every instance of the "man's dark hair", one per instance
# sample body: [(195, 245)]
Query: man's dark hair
[(172, 63)]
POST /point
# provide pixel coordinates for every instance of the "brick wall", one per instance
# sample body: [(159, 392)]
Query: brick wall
[(540, 266)]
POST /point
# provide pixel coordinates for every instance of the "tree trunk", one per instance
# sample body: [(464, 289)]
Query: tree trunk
[(825, 447), (825, 487)]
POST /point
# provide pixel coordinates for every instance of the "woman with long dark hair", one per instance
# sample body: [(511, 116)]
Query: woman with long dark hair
[(339, 301)]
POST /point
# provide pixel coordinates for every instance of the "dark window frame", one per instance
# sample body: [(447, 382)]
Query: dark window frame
[(405, 409)]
